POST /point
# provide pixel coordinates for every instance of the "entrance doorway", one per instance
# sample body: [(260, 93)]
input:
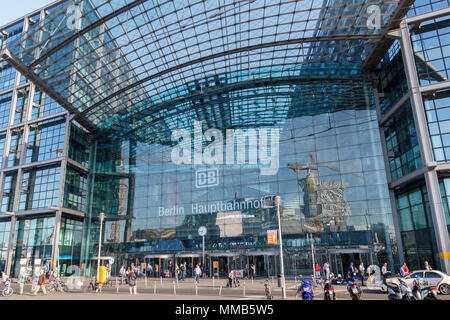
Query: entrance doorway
[(340, 259), (160, 264), (191, 260), (266, 263), (225, 261)]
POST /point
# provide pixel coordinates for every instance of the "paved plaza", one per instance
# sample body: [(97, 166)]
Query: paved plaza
[(208, 289)]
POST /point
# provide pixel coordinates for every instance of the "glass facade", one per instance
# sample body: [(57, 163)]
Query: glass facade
[(438, 116), (34, 240), (5, 230), (431, 43), (156, 196), (416, 227), (402, 143)]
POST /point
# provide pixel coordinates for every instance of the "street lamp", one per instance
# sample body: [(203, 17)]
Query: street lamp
[(102, 216), (283, 283)]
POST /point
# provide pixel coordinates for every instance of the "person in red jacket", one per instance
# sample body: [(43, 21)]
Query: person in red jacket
[(317, 269)]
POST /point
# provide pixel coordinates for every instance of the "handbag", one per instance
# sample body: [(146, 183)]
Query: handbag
[(131, 282)]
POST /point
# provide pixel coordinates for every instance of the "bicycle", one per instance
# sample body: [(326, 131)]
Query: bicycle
[(7, 290)]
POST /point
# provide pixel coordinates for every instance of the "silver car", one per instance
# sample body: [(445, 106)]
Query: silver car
[(437, 279)]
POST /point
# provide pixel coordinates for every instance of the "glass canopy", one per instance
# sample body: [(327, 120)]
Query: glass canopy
[(121, 62)]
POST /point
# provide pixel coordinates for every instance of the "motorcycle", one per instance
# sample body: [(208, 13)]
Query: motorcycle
[(306, 290), (399, 290), (421, 292), (329, 293), (354, 289), (339, 279)]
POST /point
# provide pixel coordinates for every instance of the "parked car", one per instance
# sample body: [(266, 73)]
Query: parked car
[(434, 278)]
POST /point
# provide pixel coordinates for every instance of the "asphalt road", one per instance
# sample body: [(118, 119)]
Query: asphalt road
[(167, 289)]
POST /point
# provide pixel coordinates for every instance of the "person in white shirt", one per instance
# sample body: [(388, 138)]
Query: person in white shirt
[(197, 273), (326, 268), (122, 274), (385, 272), (427, 266)]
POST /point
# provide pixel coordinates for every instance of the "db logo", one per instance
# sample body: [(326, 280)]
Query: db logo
[(206, 178)]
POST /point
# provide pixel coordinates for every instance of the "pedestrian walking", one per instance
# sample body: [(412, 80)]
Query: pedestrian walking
[(22, 279), (132, 280), (385, 272), (183, 270), (122, 274), (326, 269), (361, 272), (234, 279), (197, 273), (203, 267), (41, 283), (253, 268), (351, 271), (170, 269), (246, 271)]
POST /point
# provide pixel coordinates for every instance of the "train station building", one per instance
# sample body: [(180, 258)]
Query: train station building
[(168, 116)]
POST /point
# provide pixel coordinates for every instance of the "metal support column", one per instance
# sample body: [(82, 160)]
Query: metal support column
[(62, 175), (420, 121)]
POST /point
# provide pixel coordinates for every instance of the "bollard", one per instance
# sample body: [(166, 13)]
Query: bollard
[(244, 289), (213, 282), (154, 288), (252, 281), (220, 291), (161, 280), (174, 288), (117, 285), (196, 289), (146, 281)]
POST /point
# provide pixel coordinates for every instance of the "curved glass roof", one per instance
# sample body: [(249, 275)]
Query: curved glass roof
[(114, 59)]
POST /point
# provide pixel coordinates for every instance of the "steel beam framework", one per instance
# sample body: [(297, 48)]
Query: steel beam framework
[(430, 168)]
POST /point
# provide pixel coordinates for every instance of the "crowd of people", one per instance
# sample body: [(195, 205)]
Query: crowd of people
[(360, 273)]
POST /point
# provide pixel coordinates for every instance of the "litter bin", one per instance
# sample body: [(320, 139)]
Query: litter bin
[(279, 280)]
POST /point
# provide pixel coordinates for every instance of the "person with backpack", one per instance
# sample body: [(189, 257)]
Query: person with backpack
[(132, 282)]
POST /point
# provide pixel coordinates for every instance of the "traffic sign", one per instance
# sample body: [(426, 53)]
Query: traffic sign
[(272, 236), (202, 231)]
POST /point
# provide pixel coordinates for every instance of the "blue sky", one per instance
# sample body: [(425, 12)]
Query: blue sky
[(14, 9)]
